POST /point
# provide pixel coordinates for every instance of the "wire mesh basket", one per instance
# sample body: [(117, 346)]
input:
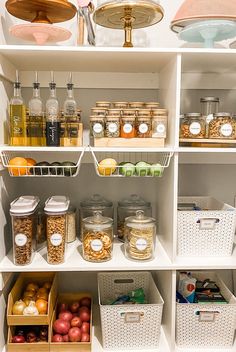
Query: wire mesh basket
[(23, 164), (131, 164)]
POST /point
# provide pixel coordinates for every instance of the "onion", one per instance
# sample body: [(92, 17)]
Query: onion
[(66, 315), (27, 301), (85, 337), (85, 301), (65, 338), (76, 322), (57, 338), (85, 328), (32, 287), (42, 295), (42, 306), (47, 285), (84, 309), (74, 307), (61, 326), (29, 294), (18, 307), (18, 339), (84, 316), (31, 337), (74, 335), (62, 307)]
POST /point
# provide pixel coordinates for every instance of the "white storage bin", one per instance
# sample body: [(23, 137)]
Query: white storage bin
[(129, 326), (208, 232), (215, 328)]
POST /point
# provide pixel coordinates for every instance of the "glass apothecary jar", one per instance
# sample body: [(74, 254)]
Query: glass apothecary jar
[(23, 212), (144, 127), (112, 127), (97, 238), (97, 126), (223, 126), (193, 126), (140, 236), (209, 107), (56, 209), (93, 204), (128, 128), (128, 207)]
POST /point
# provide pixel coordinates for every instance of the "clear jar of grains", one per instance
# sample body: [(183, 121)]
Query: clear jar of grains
[(223, 126), (193, 126), (112, 127), (97, 126), (144, 126)]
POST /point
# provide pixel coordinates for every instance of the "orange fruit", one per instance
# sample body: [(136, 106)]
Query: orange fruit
[(30, 162), (17, 166)]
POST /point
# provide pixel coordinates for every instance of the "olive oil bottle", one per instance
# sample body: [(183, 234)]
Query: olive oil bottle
[(36, 123), (17, 112), (53, 124)]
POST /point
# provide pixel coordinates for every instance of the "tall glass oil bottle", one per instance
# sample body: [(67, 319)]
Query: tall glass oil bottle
[(17, 112), (71, 117), (52, 117), (36, 123)]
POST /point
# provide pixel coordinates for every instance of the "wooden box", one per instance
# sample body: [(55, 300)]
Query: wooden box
[(70, 346), (17, 292), (25, 347), (130, 142)]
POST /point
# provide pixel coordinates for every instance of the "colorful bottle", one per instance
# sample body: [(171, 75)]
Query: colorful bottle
[(36, 125), (52, 117)]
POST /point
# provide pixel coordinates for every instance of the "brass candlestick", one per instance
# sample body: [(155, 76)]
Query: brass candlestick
[(128, 15), (42, 11)]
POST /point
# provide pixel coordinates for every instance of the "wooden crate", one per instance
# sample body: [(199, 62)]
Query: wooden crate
[(130, 142), (70, 346), (25, 347), (17, 292), (73, 142)]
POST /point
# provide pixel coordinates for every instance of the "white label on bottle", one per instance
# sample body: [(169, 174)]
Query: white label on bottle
[(112, 127), (127, 128), (195, 128), (226, 130), (143, 128), (56, 239), (209, 118), (96, 245), (161, 128), (141, 244), (97, 127), (20, 240)]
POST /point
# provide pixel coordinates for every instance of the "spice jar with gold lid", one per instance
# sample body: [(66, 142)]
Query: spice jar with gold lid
[(140, 236), (97, 238), (137, 105), (222, 126), (193, 126), (112, 129), (97, 126), (144, 126), (99, 112), (128, 128)]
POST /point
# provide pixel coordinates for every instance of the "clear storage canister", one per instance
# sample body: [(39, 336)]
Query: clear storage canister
[(128, 207), (56, 227), (24, 227), (97, 126), (140, 236), (112, 127), (71, 224), (159, 126), (193, 126), (209, 107), (222, 126), (97, 238), (144, 127), (92, 204)]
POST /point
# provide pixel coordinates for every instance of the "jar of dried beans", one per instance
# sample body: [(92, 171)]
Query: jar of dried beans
[(24, 228), (97, 126), (56, 227)]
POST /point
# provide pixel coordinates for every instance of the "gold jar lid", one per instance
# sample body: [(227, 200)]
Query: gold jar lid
[(103, 104), (96, 118), (144, 112), (159, 112), (97, 110), (128, 118), (136, 104), (129, 112), (121, 104), (144, 118), (114, 112), (152, 105)]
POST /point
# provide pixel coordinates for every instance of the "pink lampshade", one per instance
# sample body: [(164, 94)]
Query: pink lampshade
[(198, 10)]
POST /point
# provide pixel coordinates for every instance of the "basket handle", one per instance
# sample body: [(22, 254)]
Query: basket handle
[(123, 281), (208, 223), (207, 316)]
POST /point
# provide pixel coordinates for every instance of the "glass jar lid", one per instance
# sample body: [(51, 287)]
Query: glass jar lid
[(140, 219), (134, 202), (97, 221), (222, 114), (210, 99), (96, 202)]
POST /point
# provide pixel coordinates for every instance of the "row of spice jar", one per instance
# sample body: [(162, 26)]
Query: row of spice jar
[(197, 126), (143, 126), (127, 105)]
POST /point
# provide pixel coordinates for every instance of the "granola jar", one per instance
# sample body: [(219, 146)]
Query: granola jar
[(144, 126), (56, 209), (128, 207), (97, 238), (128, 128), (23, 212), (112, 127), (193, 126), (97, 126), (223, 126), (140, 236), (121, 105), (103, 104)]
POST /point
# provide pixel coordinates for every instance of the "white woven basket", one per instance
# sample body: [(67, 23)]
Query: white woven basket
[(218, 326), (206, 232), (129, 326)]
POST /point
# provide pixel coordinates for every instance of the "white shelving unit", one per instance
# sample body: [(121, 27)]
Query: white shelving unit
[(170, 76)]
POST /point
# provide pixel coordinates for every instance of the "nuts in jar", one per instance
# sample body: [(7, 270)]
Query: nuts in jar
[(97, 126), (144, 127), (193, 126), (128, 127), (222, 126), (97, 238), (112, 127)]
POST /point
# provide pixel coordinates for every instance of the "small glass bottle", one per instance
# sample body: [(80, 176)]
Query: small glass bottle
[(112, 127), (36, 116), (144, 126), (17, 112), (193, 126), (128, 129), (52, 118)]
